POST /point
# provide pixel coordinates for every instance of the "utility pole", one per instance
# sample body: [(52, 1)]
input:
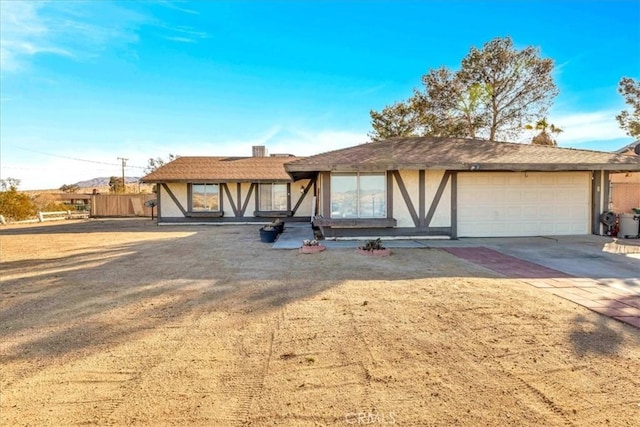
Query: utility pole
[(124, 163)]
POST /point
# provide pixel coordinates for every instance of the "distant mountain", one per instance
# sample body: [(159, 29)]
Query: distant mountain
[(104, 182)]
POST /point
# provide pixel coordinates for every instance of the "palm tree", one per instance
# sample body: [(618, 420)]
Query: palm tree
[(543, 138)]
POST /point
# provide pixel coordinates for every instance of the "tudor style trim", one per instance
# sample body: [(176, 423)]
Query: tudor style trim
[(454, 206), (422, 198), (311, 183), (406, 198), (596, 201), (175, 199), (246, 201), (228, 193), (326, 194), (436, 198), (390, 194)]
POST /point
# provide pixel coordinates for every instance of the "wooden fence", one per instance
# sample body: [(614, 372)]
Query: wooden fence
[(121, 205)]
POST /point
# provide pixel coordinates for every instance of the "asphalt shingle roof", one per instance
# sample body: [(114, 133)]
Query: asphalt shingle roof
[(628, 149), (222, 169), (459, 154)]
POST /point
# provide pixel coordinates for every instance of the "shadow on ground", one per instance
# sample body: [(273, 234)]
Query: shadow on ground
[(88, 299)]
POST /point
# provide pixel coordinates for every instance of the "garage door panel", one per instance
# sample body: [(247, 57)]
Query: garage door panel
[(546, 197), (523, 204), (546, 179), (498, 180), (512, 180)]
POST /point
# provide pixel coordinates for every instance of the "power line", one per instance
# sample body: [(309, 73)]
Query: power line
[(124, 183), (78, 159)]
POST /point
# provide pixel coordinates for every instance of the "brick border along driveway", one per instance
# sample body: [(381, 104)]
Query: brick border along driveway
[(595, 295)]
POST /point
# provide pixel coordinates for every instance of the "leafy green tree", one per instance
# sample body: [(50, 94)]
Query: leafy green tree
[(116, 185), (447, 107), (399, 119), (544, 137), (496, 90), (630, 121), (15, 205)]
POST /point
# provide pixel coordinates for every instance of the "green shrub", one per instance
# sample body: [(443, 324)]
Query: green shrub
[(16, 206)]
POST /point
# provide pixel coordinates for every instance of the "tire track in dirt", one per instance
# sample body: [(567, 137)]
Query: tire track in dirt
[(252, 354), (316, 358), (114, 409), (517, 384), (133, 386)]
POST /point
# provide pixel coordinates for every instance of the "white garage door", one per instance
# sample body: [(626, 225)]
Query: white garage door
[(504, 204)]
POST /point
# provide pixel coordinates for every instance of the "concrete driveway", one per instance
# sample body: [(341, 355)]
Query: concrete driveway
[(595, 257)]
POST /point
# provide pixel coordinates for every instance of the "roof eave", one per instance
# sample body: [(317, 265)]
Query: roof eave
[(300, 170), (214, 181)]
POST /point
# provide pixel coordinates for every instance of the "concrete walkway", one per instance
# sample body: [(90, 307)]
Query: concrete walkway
[(596, 272), (293, 235)]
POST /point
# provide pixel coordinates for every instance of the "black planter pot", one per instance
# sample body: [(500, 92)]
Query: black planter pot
[(268, 236)]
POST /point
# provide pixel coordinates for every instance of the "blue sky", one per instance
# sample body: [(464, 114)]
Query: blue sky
[(83, 83)]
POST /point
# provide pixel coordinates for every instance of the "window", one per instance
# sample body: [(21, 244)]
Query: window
[(358, 195), (273, 197), (205, 197)]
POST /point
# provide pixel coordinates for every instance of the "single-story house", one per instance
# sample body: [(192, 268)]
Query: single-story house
[(460, 188), (77, 201), (230, 189), (625, 186)]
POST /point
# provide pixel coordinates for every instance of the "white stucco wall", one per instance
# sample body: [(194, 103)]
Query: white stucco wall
[(168, 208), (244, 192), (442, 215), (401, 212), (305, 206)]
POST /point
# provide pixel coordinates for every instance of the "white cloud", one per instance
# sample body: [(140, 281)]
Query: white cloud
[(582, 127), (21, 33), (50, 169), (77, 29), (182, 34)]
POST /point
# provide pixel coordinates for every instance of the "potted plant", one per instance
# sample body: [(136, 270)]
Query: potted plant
[(268, 234), (311, 247), (374, 248), (278, 224)]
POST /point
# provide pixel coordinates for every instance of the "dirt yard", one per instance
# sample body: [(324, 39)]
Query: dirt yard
[(121, 322)]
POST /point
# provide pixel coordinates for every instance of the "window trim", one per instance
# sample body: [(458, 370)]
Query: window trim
[(287, 186), (358, 175), (190, 198)]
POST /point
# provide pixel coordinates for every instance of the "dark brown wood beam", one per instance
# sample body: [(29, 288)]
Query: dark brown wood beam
[(406, 198)]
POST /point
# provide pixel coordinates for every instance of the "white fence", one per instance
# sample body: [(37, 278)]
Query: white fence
[(55, 216), (51, 216)]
